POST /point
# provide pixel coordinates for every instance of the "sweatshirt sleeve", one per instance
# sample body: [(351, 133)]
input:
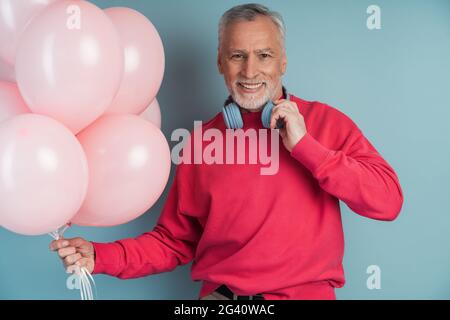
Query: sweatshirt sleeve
[(172, 242), (356, 174)]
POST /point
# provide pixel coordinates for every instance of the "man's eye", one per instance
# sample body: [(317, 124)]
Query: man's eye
[(265, 55), (237, 56)]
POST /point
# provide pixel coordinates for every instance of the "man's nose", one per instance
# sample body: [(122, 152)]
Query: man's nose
[(250, 68)]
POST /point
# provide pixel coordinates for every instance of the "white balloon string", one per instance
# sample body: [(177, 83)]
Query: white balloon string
[(59, 233), (81, 284), (89, 278), (53, 235), (85, 278)]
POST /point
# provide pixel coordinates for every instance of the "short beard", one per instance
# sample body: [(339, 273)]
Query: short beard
[(250, 102)]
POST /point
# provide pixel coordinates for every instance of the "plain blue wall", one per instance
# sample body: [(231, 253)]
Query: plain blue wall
[(394, 83)]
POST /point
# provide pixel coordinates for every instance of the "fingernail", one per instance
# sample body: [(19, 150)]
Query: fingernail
[(65, 243)]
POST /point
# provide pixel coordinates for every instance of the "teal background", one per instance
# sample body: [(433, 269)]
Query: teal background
[(394, 83)]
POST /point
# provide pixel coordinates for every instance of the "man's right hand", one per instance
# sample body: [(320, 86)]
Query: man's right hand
[(76, 251)]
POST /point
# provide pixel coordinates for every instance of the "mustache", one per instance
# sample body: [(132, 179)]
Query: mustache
[(250, 81)]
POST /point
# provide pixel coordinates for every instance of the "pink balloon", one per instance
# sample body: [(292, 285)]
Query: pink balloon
[(6, 71), (144, 61), (129, 165), (153, 114), (14, 17), (11, 102), (43, 174), (70, 63)]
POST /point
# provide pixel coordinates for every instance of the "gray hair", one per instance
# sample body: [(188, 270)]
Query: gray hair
[(248, 12)]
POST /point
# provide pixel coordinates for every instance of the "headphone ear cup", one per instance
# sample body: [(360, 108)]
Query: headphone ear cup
[(232, 116), (266, 114)]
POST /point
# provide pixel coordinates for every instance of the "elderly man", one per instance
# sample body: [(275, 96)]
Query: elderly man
[(254, 236)]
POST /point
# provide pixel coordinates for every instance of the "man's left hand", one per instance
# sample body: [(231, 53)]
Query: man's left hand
[(294, 123)]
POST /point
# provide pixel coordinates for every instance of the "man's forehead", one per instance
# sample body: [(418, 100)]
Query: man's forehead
[(257, 50), (252, 46), (259, 34)]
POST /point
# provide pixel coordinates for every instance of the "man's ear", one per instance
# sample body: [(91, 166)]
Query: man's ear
[(284, 64), (219, 63)]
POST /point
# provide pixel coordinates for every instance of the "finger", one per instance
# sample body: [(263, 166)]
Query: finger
[(276, 102), (64, 252), (281, 107), (278, 122), (274, 118), (289, 109), (84, 249), (76, 242), (58, 244), (72, 268), (69, 260), (289, 104), (279, 113), (83, 262)]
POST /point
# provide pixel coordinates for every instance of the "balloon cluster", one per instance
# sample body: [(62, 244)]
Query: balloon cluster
[(80, 138)]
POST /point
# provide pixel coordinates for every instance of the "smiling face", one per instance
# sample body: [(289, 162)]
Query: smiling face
[(252, 60)]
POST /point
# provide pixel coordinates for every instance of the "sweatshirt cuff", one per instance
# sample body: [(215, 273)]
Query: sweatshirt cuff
[(310, 152), (107, 258)]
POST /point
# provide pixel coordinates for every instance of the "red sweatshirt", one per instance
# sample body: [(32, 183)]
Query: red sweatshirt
[(280, 235)]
